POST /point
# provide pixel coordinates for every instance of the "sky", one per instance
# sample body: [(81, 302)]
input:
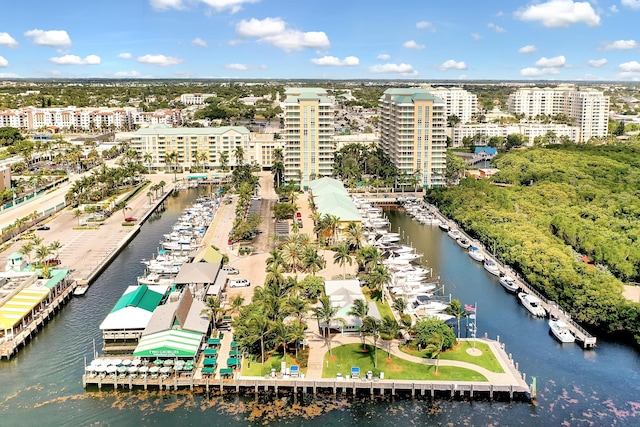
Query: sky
[(306, 39)]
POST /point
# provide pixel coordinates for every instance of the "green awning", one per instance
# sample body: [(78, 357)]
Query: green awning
[(141, 297), (197, 176), (233, 361), (169, 343), (213, 341), (210, 351), (208, 370), (210, 361)]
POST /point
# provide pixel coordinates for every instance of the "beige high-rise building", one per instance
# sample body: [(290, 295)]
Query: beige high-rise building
[(588, 108), (412, 133), (457, 101), (307, 135)]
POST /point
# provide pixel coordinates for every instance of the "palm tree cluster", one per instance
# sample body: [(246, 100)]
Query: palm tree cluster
[(355, 163), (298, 253), (104, 182), (277, 315), (42, 252)]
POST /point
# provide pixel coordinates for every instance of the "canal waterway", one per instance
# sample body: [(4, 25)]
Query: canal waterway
[(42, 384)]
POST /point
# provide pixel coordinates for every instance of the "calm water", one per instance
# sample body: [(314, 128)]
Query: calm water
[(575, 387)]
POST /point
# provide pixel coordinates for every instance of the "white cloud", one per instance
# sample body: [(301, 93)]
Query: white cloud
[(633, 4), (8, 76), (126, 74), (528, 49), (560, 13), (621, 45), (199, 42), (496, 28), (3, 62), (383, 57), (260, 28), (453, 65), (274, 31), (332, 61), (240, 67), (476, 36), (7, 40), (219, 5), (632, 66), (159, 60), (55, 38), (402, 69), (629, 71), (124, 55), (75, 60), (597, 63), (425, 24), (614, 9), (555, 62), (536, 72), (411, 44)]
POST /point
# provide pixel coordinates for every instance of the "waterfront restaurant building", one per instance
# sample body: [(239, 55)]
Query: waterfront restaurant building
[(412, 133), (308, 135)]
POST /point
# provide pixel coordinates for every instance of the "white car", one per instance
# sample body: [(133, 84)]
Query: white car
[(239, 283), (256, 198), (230, 270)]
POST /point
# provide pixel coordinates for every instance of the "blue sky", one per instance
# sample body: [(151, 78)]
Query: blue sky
[(348, 39)]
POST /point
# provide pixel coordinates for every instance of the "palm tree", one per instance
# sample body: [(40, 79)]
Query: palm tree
[(148, 158), (292, 255), (378, 278), (297, 333), (224, 160), (26, 250), (238, 152), (213, 310), (77, 214), (281, 337), (55, 247), (236, 304), (325, 313), (342, 257), (455, 309), (400, 305), (296, 307), (372, 326), (389, 329), (42, 252), (171, 159), (259, 325), (312, 260), (434, 347), (354, 235), (360, 309)]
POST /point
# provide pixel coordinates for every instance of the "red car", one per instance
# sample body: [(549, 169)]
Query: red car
[(130, 219)]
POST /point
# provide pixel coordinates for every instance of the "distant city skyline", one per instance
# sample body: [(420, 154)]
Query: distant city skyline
[(357, 39)]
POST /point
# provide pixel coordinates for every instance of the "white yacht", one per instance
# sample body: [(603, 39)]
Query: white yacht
[(509, 283), (491, 267), (476, 254), (463, 242), (532, 303), (454, 234), (561, 331)]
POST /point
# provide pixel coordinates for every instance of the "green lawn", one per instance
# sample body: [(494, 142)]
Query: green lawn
[(255, 369), (351, 355), (487, 360)]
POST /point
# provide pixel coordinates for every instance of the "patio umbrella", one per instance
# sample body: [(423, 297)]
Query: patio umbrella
[(122, 369), (116, 361), (168, 362), (101, 368), (106, 362), (143, 369), (132, 369), (158, 362), (96, 362), (136, 362), (126, 362), (165, 369), (111, 369), (90, 368), (154, 369)]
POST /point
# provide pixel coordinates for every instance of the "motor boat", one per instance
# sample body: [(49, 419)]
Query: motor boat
[(532, 303), (444, 226), (476, 254), (424, 301), (561, 331), (509, 283), (463, 242), (454, 234), (491, 266)]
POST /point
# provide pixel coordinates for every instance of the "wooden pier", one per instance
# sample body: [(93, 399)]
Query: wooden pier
[(10, 346), (588, 341), (372, 387)]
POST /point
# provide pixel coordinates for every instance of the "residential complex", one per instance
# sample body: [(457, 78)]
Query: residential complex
[(530, 130), (307, 135), (71, 119), (412, 133), (207, 147), (458, 102), (588, 108), (195, 98)]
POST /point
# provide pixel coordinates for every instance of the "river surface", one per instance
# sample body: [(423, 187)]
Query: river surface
[(42, 384)]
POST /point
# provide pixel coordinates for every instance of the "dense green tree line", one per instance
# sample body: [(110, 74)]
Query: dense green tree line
[(560, 203)]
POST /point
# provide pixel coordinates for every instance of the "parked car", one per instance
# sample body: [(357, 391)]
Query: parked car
[(230, 270), (27, 236), (239, 283), (44, 228), (52, 261)]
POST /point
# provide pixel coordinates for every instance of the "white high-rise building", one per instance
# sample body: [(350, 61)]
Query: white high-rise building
[(589, 108), (457, 101), (412, 133), (307, 135)]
